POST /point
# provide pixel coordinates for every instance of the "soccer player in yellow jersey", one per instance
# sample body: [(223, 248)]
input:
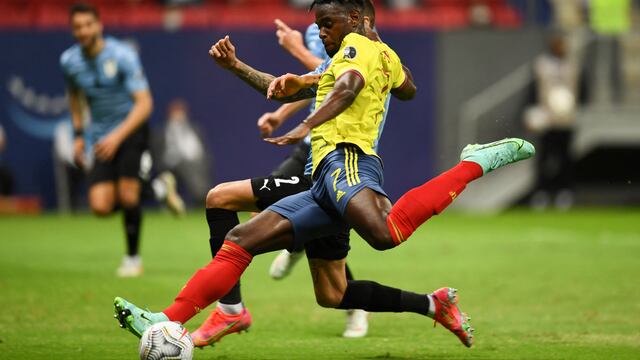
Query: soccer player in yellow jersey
[(347, 189)]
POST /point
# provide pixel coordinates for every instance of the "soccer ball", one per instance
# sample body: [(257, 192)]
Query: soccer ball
[(166, 340)]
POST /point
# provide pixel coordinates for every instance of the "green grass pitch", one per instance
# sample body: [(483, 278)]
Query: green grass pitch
[(538, 286)]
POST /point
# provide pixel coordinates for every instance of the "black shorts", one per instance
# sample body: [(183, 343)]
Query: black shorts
[(269, 190), (129, 161)]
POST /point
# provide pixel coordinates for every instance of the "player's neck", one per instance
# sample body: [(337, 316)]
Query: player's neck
[(96, 48)]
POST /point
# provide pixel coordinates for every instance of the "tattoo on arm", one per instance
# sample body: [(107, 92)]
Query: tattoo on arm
[(256, 79), (261, 81)]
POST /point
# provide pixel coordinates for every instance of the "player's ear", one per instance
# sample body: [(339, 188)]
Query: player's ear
[(367, 22), (354, 18)]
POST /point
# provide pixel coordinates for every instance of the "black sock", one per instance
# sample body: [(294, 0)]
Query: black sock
[(348, 272), (132, 220), (373, 297), (220, 222)]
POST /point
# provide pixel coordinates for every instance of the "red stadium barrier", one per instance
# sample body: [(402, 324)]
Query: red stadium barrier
[(53, 14)]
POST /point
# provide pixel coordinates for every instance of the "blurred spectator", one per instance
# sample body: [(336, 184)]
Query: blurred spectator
[(180, 2), (480, 14), (302, 4), (568, 14), (609, 20), (556, 78), (6, 178), (69, 178), (401, 4), (183, 152)]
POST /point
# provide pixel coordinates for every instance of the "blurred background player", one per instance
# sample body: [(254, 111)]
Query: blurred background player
[(106, 75), (182, 151), (557, 80)]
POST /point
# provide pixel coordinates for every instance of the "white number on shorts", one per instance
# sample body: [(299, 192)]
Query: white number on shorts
[(294, 180)]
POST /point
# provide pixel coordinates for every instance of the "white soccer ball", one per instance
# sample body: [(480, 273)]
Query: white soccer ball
[(166, 340)]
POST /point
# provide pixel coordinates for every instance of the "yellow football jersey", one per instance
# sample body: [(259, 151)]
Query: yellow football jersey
[(359, 124)]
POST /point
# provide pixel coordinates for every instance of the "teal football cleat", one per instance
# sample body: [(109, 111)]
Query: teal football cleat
[(135, 319), (498, 153)]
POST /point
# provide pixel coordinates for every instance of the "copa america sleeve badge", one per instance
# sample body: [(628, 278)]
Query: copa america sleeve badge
[(350, 52)]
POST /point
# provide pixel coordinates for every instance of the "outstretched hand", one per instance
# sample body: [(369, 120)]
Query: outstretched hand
[(224, 53), (285, 85), (292, 137), (268, 123), (288, 38)]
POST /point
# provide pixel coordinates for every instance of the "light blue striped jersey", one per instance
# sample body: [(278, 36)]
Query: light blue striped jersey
[(107, 81)]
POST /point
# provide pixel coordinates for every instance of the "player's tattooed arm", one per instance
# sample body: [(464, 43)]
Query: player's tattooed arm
[(256, 79), (224, 53), (291, 87)]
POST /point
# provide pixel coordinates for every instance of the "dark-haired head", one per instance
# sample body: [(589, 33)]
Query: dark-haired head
[(85, 25), (349, 4), (83, 8), (336, 19)]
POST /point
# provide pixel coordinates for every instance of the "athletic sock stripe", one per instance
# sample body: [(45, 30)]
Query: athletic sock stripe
[(398, 232)]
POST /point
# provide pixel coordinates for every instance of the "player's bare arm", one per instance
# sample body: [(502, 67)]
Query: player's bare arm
[(291, 40), (408, 89), (75, 108), (270, 121), (140, 112), (224, 53), (345, 91), (288, 85)]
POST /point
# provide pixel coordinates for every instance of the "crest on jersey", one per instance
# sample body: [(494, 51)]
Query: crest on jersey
[(110, 68), (350, 52)]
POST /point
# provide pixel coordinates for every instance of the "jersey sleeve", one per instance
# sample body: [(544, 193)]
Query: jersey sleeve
[(313, 42), (68, 79), (354, 57), (134, 78), (399, 76)]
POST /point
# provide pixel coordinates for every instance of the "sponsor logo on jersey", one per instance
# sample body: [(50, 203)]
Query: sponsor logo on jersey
[(350, 52)]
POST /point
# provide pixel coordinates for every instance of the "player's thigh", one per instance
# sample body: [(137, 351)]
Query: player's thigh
[(367, 212), (266, 232), (329, 281), (270, 189), (128, 191), (306, 219), (132, 162), (102, 197), (233, 195)]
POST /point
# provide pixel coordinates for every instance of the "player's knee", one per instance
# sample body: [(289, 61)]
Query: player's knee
[(128, 199), (101, 208), (329, 299), (238, 237), (218, 197), (381, 240)]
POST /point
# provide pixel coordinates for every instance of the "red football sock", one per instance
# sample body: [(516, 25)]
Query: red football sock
[(420, 203), (210, 283)]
